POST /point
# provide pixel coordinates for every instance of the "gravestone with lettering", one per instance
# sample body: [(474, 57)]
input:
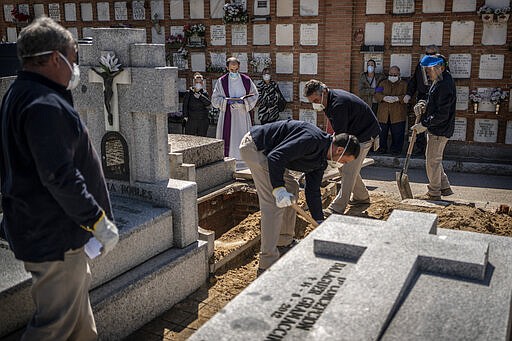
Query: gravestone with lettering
[(261, 34), (156, 214), (309, 34), (70, 12), (375, 6), (460, 65), (401, 34), (284, 34), (54, 11), (486, 130), (86, 10), (459, 134), (403, 6), (431, 33), (308, 8), (308, 63), (462, 33), (284, 8), (362, 279), (494, 33), (120, 10), (284, 62), (239, 35)]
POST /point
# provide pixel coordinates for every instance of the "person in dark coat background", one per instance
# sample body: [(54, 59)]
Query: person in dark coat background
[(54, 195), (196, 105), (270, 150), (438, 120)]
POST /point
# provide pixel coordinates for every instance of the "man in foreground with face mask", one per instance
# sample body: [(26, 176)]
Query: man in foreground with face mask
[(438, 120), (54, 195), (234, 95), (392, 111), (270, 150), (348, 114)]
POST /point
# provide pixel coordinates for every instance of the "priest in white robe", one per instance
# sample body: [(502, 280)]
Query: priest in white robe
[(234, 95)]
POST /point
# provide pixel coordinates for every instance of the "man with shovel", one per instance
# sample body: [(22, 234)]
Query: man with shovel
[(438, 120), (270, 150)]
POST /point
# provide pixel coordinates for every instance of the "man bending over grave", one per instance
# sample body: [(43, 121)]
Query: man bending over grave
[(54, 195), (270, 150)]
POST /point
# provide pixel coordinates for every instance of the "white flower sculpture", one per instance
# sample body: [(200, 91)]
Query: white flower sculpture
[(110, 63), (109, 69)]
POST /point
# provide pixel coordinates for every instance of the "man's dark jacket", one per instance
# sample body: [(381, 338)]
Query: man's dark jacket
[(298, 146), (52, 181), (196, 108), (439, 116), (350, 114)]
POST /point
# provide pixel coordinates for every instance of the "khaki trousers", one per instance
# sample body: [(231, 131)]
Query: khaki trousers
[(351, 181), (277, 224), (437, 179), (60, 291)]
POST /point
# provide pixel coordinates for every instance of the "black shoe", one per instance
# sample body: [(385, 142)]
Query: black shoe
[(446, 192), (329, 211), (286, 248)]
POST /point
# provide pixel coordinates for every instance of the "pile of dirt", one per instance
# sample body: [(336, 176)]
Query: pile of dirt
[(240, 273)]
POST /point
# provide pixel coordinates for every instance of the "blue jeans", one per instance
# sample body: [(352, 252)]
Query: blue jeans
[(397, 136)]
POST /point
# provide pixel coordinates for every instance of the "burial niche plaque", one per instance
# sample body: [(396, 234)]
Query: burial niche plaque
[(114, 156)]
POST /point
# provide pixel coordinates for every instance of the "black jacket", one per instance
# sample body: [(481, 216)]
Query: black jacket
[(439, 116), (298, 146), (52, 181), (350, 114), (196, 108)]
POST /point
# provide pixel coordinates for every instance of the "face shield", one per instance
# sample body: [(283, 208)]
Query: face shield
[(431, 68)]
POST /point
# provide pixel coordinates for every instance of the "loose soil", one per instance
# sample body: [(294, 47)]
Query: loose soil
[(233, 279)]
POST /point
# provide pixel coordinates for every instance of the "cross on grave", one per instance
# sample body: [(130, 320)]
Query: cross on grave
[(388, 258), (123, 78)]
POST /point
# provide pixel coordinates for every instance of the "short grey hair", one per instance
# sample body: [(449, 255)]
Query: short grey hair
[(43, 34), (313, 86)]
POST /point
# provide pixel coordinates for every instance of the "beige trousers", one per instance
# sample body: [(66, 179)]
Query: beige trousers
[(277, 224), (437, 179), (351, 181), (60, 291)]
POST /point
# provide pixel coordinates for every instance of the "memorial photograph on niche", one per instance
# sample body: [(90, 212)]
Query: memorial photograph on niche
[(114, 156)]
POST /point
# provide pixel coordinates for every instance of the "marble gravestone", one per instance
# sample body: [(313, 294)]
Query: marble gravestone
[(374, 33), (308, 115), (284, 62), (156, 215), (459, 134), (403, 6), (284, 34), (431, 33), (176, 9), (362, 279), (284, 8), (460, 65), (375, 6), (486, 130), (401, 34)]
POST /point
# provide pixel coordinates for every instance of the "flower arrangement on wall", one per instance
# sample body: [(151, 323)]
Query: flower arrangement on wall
[(498, 96), (490, 14), (197, 29), (215, 68), (259, 63), (175, 41), (235, 13), (475, 98), (20, 17)]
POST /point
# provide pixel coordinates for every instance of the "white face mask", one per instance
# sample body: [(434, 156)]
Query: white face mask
[(198, 86), (337, 163), (266, 77), (319, 106), (393, 79), (370, 69), (75, 69), (75, 73)]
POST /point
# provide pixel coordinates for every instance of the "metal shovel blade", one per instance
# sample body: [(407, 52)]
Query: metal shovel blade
[(402, 181)]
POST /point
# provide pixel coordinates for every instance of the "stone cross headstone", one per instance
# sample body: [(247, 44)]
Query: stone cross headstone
[(363, 279)]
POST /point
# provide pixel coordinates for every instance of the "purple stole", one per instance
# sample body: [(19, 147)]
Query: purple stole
[(226, 131)]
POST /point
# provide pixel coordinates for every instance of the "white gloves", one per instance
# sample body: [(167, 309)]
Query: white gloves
[(106, 232), (420, 107), (420, 128), (407, 98), (390, 99), (185, 119), (283, 197)]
